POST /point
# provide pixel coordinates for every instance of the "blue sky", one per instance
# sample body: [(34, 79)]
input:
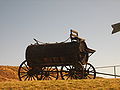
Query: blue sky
[(51, 20)]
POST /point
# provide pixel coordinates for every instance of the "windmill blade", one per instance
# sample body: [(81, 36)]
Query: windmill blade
[(116, 28)]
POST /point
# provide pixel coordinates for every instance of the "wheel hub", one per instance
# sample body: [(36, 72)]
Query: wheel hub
[(46, 74), (31, 72)]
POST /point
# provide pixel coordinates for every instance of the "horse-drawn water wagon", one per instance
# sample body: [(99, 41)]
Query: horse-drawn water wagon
[(52, 61)]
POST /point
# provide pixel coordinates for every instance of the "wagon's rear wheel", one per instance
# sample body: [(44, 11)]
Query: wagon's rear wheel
[(72, 71), (26, 73), (89, 71), (49, 73)]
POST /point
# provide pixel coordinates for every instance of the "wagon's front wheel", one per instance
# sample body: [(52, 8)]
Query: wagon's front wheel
[(89, 71), (72, 71), (26, 73)]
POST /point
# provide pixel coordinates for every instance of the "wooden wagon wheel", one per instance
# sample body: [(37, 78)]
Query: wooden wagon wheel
[(72, 71), (26, 73), (89, 71), (49, 73)]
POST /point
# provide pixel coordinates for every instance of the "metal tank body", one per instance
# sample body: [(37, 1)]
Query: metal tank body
[(52, 54)]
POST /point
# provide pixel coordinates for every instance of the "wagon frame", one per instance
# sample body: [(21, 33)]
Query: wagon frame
[(78, 68)]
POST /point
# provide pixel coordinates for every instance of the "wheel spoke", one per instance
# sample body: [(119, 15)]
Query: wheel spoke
[(24, 69), (68, 77), (47, 69), (53, 69), (44, 78), (24, 76), (89, 76), (88, 68), (28, 78), (50, 68), (71, 67), (53, 76), (26, 66), (85, 66), (33, 78), (23, 72), (65, 75), (50, 78), (67, 68)]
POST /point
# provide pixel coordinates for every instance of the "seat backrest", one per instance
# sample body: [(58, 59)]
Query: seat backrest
[(73, 35)]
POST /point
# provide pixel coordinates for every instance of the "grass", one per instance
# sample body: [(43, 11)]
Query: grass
[(84, 84), (9, 81)]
